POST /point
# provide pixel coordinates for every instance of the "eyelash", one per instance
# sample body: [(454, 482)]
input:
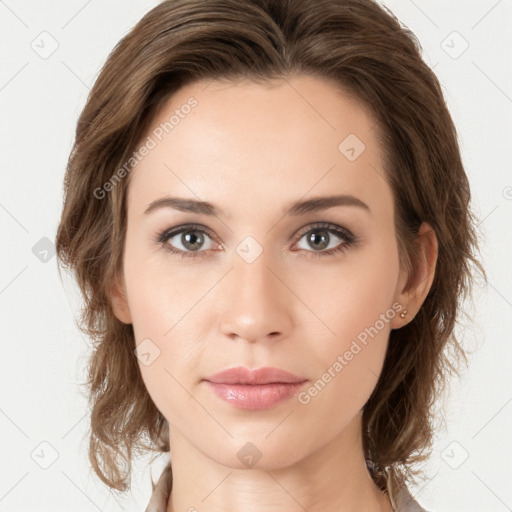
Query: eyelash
[(349, 238)]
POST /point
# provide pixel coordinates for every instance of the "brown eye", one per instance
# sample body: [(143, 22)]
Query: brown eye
[(318, 239), (187, 241), (191, 240), (322, 236)]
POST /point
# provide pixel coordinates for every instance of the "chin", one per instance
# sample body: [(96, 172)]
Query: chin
[(257, 451)]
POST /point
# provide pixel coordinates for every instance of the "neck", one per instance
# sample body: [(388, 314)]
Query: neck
[(334, 477)]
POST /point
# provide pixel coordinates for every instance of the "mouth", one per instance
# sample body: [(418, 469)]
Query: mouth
[(258, 389)]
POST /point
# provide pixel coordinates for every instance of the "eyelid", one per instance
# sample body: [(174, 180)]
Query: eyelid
[(328, 226)]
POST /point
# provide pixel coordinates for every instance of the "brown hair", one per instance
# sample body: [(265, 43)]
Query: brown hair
[(359, 45)]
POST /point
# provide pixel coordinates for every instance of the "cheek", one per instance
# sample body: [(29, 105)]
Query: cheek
[(157, 298), (352, 294), (164, 304), (164, 349), (355, 303)]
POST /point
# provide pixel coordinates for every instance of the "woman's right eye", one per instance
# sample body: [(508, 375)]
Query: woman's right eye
[(191, 239)]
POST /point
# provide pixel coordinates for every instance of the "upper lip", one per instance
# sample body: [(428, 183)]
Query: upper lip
[(243, 375)]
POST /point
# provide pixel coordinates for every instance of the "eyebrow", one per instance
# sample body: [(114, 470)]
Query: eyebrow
[(300, 207)]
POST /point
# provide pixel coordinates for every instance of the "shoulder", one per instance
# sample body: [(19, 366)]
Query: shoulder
[(161, 491)]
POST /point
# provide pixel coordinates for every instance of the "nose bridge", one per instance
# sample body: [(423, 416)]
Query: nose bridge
[(252, 269), (258, 303)]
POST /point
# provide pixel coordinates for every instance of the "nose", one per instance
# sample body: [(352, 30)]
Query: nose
[(256, 304)]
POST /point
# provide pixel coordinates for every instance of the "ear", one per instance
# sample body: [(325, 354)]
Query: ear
[(119, 301), (413, 286)]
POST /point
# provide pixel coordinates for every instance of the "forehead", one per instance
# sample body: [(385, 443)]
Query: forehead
[(245, 142)]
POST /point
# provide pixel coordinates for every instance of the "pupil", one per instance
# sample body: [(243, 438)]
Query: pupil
[(323, 239), (191, 240)]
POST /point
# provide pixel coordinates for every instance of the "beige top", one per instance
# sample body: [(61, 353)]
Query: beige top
[(401, 500)]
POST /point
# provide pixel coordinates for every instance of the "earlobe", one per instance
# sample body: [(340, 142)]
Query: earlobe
[(120, 303), (414, 289)]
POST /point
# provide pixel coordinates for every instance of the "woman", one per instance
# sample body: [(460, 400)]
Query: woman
[(268, 217)]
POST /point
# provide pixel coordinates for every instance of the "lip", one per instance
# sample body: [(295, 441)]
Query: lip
[(257, 389), (243, 375)]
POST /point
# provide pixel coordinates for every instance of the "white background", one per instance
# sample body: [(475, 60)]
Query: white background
[(44, 355)]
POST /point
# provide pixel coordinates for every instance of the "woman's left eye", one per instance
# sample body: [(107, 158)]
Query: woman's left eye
[(320, 236), (317, 236)]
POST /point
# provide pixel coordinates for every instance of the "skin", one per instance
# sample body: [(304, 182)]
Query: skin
[(251, 150)]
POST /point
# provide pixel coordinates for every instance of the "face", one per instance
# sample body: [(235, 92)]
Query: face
[(261, 284)]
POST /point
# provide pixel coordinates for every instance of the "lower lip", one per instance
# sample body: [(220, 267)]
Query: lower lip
[(255, 397)]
